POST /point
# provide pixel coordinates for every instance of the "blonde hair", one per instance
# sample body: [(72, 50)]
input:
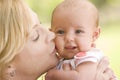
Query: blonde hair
[(14, 28)]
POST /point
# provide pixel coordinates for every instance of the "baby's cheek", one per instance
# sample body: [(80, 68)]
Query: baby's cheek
[(84, 46)]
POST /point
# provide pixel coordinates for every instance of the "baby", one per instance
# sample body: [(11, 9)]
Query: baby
[(76, 25)]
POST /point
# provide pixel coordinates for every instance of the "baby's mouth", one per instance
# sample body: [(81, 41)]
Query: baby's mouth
[(70, 47)]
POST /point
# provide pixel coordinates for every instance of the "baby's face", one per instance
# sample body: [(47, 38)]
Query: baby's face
[(75, 32)]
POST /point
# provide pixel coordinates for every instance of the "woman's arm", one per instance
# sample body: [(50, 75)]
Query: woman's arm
[(103, 71)]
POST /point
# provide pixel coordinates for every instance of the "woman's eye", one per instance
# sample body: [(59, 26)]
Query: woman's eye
[(60, 32), (36, 36)]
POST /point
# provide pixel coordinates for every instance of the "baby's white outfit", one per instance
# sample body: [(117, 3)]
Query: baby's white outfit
[(93, 55)]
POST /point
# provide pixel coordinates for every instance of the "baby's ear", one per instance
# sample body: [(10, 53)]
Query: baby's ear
[(96, 33)]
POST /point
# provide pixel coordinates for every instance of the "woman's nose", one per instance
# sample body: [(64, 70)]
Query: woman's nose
[(51, 35)]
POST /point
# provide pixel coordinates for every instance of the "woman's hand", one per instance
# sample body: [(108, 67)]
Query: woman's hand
[(103, 71)]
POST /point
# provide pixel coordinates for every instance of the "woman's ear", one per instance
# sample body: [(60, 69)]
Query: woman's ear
[(96, 33)]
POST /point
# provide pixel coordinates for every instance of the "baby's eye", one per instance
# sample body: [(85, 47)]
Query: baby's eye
[(60, 32), (78, 31)]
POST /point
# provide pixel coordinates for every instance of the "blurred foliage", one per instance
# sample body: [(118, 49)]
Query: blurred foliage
[(109, 11), (99, 3), (43, 8)]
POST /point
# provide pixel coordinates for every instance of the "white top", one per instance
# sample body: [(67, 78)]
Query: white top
[(94, 55)]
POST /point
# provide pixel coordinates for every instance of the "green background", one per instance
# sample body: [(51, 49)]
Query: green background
[(109, 11)]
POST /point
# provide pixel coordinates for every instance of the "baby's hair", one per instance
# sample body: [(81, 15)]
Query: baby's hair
[(76, 5)]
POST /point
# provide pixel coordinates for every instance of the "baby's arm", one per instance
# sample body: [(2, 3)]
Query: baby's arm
[(61, 75), (102, 72), (84, 71), (65, 74)]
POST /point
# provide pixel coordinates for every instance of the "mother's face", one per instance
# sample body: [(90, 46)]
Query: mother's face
[(38, 54)]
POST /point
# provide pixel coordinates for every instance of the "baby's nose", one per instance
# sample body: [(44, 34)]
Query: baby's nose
[(69, 37)]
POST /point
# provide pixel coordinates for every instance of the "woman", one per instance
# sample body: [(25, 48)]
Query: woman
[(27, 49), (23, 42)]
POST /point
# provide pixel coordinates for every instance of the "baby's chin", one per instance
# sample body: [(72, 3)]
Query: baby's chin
[(68, 57)]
